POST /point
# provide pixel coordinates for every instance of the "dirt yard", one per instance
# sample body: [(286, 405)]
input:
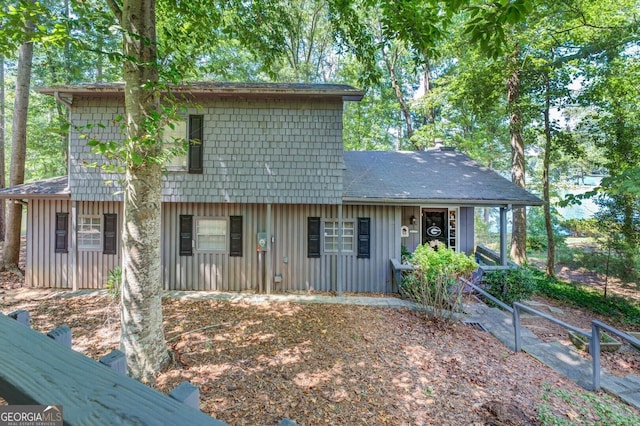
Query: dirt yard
[(323, 364)]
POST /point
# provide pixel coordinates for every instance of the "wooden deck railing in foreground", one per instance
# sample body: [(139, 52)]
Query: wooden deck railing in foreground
[(35, 370)]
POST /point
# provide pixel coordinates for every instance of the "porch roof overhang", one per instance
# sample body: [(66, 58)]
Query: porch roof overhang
[(56, 188), (439, 176), (215, 90)]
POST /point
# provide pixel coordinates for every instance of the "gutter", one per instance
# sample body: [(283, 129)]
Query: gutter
[(439, 201)]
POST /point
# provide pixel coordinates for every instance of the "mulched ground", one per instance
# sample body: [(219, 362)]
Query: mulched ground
[(324, 364)]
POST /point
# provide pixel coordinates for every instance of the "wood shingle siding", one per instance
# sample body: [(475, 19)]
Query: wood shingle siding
[(252, 151)]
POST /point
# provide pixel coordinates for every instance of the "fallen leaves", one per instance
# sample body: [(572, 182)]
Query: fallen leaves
[(322, 364)]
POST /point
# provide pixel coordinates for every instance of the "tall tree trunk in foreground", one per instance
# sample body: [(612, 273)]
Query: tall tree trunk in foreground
[(11, 254), (519, 215), (3, 182), (142, 335)]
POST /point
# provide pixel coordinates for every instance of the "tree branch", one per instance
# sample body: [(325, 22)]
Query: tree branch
[(116, 9)]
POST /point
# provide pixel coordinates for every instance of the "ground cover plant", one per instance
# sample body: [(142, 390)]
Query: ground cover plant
[(620, 310)]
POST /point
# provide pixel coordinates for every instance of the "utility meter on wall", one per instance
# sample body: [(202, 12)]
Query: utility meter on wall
[(262, 241)]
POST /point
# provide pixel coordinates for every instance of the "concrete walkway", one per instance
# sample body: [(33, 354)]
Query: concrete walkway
[(563, 359), (559, 357)]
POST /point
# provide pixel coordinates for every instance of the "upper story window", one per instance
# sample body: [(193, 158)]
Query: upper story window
[(193, 131), (90, 233), (174, 135)]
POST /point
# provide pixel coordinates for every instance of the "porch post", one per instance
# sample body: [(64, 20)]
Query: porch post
[(503, 236), (340, 260)]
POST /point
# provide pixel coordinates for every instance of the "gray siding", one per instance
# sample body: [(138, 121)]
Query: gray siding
[(466, 239), (414, 239), (217, 271), (287, 255), (75, 269), (45, 267), (210, 270), (285, 152), (92, 266)]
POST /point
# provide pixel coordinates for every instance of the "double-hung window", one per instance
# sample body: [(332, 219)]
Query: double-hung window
[(90, 232), (191, 131), (331, 236), (211, 234)]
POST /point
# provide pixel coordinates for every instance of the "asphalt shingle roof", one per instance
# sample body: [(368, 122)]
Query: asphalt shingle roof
[(433, 176), (54, 188)]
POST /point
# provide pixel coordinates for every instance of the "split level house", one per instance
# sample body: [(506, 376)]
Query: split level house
[(265, 199)]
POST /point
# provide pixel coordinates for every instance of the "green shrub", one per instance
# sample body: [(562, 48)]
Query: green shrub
[(114, 278), (435, 282), (510, 285)]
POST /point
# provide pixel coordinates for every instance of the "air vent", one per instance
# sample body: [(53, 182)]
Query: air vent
[(475, 325)]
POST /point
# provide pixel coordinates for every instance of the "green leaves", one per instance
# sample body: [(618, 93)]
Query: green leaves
[(487, 22)]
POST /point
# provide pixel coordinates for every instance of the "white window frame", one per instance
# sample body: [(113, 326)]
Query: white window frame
[(330, 235), (198, 235), (89, 232), (170, 136)]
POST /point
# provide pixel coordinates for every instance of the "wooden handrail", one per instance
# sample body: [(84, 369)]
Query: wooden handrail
[(35, 370)]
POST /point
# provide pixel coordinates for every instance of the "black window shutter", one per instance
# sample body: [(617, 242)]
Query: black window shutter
[(235, 242), (364, 237), (186, 235), (195, 143), (313, 237), (110, 240), (62, 232)]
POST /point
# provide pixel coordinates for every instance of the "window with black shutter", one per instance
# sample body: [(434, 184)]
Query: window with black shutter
[(186, 235), (195, 143), (110, 238), (364, 237), (62, 232), (313, 237), (235, 231)]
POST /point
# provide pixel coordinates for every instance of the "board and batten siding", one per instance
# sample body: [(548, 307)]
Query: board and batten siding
[(93, 266), (45, 267), (215, 271), (287, 254)]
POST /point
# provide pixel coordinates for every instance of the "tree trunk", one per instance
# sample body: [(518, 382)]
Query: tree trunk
[(551, 246), (519, 215), (11, 255), (397, 90), (142, 335), (2, 153)]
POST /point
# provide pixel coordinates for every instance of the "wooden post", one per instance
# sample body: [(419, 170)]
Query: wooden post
[(21, 316), (61, 335), (188, 394), (503, 236)]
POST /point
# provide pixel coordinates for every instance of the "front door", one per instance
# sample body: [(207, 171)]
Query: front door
[(434, 226)]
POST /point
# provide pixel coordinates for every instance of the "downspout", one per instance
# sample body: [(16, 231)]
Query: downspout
[(73, 253), (58, 98), (340, 260), (267, 255)]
